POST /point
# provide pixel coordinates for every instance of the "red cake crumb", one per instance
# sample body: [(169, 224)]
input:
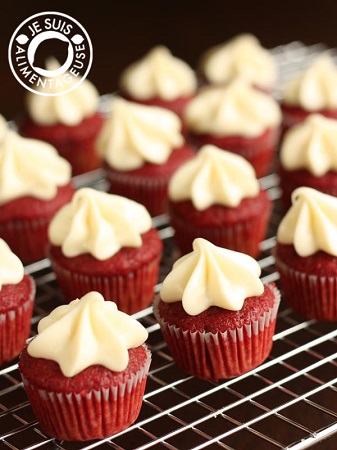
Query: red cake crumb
[(93, 377), (127, 278), (93, 404), (16, 310), (309, 282), (240, 228), (259, 151), (148, 184), (292, 179), (293, 115), (219, 344), (13, 296), (77, 144), (24, 223), (216, 319)]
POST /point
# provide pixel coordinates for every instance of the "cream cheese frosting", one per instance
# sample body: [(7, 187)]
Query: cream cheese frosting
[(244, 57), (315, 87), (214, 176), (29, 167), (11, 267), (98, 223), (85, 332), (158, 74), (234, 109), (311, 145), (212, 276), (137, 134), (70, 108), (310, 224)]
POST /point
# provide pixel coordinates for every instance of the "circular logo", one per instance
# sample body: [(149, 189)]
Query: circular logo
[(50, 53)]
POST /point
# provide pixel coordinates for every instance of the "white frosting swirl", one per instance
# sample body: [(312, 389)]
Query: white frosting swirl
[(158, 74), (11, 268), (30, 167), (242, 56), (235, 109), (311, 145), (98, 223), (85, 332), (214, 176), (315, 87), (310, 224), (70, 108), (212, 276), (135, 134)]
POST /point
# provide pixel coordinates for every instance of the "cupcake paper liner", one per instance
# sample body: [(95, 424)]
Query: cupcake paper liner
[(244, 237), (88, 415), (131, 292), (313, 296), (150, 192), (15, 326), (222, 355), (26, 238)]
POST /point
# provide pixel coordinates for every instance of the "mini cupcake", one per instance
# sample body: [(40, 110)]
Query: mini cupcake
[(141, 147), (106, 243), (69, 121), (34, 183), (159, 79), (308, 157), (306, 254), (216, 196), (244, 57), (313, 90), (86, 370), (237, 118), (17, 293), (217, 317)]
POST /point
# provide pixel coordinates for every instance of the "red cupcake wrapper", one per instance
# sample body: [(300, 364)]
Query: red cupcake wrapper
[(131, 292), (94, 414), (27, 239), (313, 296), (150, 192), (244, 236), (15, 326), (222, 355)]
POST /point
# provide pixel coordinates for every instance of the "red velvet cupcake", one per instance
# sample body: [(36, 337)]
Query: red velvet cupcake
[(308, 157), (88, 383), (237, 118), (34, 183), (311, 91), (216, 316), (306, 254), (106, 243), (241, 57), (17, 294), (216, 196), (70, 122), (159, 79), (142, 146)]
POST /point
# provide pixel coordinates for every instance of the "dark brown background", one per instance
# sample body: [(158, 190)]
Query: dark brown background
[(122, 31)]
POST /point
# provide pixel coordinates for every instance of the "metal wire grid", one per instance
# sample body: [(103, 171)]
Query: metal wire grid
[(290, 401)]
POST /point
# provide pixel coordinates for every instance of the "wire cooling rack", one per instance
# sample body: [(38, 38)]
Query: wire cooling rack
[(290, 401)]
